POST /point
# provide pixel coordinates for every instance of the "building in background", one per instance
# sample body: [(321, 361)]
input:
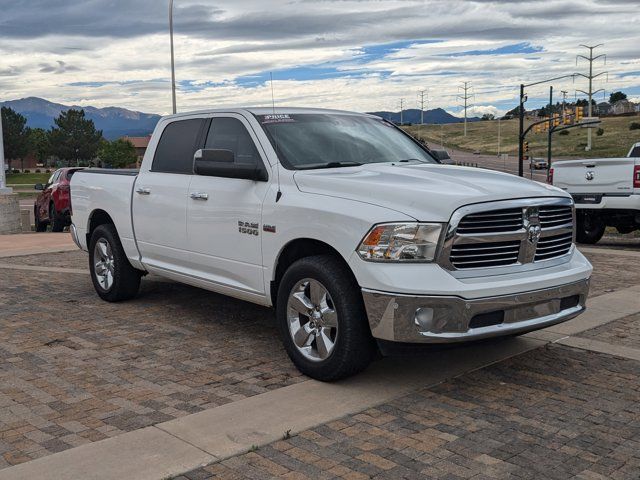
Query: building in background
[(140, 144)]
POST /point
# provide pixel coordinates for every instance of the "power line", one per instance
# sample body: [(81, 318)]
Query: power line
[(466, 87), (590, 77)]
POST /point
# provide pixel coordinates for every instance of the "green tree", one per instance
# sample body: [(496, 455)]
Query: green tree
[(616, 97), (118, 153), (74, 139), (488, 116), (39, 143), (15, 134)]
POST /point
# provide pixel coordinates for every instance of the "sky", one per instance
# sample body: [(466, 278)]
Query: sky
[(356, 55)]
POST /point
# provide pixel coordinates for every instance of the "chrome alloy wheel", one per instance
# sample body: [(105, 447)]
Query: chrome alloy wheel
[(103, 263), (312, 319)]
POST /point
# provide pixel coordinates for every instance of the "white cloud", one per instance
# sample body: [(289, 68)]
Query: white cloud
[(62, 55)]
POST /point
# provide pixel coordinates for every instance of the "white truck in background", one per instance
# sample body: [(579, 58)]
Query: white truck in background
[(606, 192), (343, 223)]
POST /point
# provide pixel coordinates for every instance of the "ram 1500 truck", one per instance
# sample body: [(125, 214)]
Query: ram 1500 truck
[(606, 192), (342, 222)]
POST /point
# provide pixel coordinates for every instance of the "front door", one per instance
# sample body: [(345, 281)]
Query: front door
[(224, 214), (160, 197)]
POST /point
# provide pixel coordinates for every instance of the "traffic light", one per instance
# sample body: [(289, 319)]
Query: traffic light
[(579, 114), (526, 147)]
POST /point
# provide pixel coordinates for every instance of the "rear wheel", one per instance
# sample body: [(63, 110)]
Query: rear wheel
[(589, 228), (55, 220), (113, 276), (322, 319)]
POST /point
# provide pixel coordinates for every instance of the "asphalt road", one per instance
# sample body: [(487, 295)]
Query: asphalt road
[(493, 162)]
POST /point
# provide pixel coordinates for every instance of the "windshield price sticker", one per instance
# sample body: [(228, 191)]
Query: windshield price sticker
[(277, 118)]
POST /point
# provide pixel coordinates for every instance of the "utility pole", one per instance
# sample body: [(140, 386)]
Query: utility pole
[(401, 111), (590, 77), (173, 65), (421, 94), (550, 131), (465, 98), (3, 178)]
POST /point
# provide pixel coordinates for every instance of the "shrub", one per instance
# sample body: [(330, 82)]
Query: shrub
[(37, 170), (47, 171), (634, 126), (15, 170), (600, 132), (26, 171), (564, 132)]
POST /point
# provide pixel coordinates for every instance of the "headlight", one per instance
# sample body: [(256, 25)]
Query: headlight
[(401, 242)]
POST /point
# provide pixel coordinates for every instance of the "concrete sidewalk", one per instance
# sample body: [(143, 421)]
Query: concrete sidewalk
[(34, 243)]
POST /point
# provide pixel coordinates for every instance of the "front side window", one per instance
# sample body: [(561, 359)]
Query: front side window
[(230, 134), (304, 141), (176, 147)]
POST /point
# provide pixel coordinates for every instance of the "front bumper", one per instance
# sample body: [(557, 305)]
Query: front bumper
[(447, 319)]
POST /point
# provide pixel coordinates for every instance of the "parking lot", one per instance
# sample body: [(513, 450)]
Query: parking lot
[(77, 371)]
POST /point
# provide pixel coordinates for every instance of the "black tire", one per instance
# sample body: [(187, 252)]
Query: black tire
[(354, 347), (125, 279), (589, 229), (40, 226), (55, 220)]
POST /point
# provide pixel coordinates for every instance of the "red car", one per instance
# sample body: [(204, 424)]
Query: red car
[(53, 204)]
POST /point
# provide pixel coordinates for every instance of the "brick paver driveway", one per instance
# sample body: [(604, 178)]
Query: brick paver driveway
[(555, 413), (74, 369)]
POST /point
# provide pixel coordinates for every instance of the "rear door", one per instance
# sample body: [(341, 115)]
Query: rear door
[(602, 176), (224, 214), (160, 196)]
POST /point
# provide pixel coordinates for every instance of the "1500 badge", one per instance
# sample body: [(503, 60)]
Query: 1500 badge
[(249, 228)]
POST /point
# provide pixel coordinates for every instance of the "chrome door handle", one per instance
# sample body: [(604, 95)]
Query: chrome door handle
[(143, 191), (199, 196)]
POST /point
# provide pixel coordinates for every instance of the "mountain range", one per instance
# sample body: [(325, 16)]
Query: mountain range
[(113, 121), (116, 122), (412, 115)]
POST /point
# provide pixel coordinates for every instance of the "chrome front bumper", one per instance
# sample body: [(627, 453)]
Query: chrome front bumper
[(446, 319)]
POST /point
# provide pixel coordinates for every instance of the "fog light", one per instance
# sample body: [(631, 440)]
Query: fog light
[(424, 318)]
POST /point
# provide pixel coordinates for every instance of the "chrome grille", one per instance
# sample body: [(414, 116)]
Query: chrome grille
[(512, 234), (492, 254), (555, 246), (507, 220), (555, 215)]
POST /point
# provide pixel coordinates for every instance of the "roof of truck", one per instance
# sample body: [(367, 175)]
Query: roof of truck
[(269, 110)]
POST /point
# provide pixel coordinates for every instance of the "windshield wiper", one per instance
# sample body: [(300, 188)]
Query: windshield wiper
[(330, 165)]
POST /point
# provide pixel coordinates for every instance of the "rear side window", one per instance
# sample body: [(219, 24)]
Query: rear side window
[(231, 134), (177, 145), (635, 152)]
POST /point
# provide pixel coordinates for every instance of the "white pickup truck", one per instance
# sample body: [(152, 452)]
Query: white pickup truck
[(606, 192), (343, 223)]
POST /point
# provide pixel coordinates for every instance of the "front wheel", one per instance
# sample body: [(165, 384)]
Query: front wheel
[(55, 220), (589, 229), (114, 279), (40, 226), (322, 319)]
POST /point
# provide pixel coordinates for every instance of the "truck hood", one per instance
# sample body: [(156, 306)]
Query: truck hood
[(424, 192)]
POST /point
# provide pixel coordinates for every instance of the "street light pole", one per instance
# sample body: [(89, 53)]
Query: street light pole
[(173, 65)]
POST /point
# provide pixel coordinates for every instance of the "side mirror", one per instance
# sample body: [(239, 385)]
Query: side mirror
[(440, 155), (221, 163), (38, 186)]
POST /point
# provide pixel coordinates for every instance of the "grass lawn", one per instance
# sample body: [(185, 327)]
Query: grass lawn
[(483, 136), (27, 178)]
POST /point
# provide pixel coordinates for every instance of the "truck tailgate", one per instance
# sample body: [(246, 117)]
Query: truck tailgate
[(605, 176)]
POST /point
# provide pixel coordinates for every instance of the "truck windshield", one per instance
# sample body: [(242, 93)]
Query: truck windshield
[(306, 141)]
